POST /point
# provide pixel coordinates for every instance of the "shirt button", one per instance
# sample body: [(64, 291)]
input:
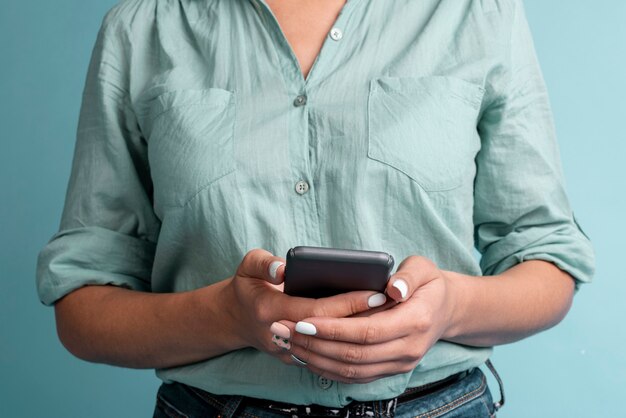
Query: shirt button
[(336, 34), (300, 100), (324, 382), (302, 187)]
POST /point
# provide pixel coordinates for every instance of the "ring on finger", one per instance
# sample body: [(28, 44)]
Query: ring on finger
[(299, 361)]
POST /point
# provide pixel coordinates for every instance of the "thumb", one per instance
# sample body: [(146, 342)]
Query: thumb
[(412, 273), (398, 288), (276, 272), (261, 264)]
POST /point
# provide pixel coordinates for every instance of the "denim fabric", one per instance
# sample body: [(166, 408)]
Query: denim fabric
[(468, 397)]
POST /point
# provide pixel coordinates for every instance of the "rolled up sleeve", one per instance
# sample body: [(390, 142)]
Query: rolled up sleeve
[(108, 228), (521, 208)]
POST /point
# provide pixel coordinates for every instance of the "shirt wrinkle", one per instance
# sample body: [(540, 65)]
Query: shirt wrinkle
[(414, 135)]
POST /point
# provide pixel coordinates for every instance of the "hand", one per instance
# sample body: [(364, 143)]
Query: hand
[(254, 301), (364, 348)]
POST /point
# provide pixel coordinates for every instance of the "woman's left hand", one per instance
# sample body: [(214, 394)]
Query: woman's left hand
[(390, 341)]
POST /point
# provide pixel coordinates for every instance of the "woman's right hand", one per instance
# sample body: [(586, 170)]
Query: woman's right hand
[(128, 328), (255, 301)]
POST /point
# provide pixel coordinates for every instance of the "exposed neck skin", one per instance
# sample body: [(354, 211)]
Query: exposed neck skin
[(306, 24)]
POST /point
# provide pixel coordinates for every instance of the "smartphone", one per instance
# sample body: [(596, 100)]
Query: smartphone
[(317, 272)]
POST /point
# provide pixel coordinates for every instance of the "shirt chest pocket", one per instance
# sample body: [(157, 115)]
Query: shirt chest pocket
[(425, 127), (190, 143)]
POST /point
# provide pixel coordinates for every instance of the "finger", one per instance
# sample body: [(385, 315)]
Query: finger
[(347, 304), (378, 328), (261, 264), (284, 335), (282, 329), (275, 344), (350, 373), (413, 272), (280, 338), (352, 353), (388, 304), (345, 362), (331, 375), (338, 306)]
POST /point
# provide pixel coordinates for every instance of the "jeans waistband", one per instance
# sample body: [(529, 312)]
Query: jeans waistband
[(383, 408), (226, 406)]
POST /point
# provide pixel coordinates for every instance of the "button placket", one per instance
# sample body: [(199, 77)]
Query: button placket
[(302, 187), (299, 100)]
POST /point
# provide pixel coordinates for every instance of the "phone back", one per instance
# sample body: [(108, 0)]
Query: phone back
[(320, 272)]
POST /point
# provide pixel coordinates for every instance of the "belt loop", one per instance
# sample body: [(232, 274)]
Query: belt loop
[(500, 403), (230, 406), (390, 410), (381, 409)]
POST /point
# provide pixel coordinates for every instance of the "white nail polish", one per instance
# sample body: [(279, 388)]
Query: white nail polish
[(306, 328), (376, 300), (402, 287), (274, 267)]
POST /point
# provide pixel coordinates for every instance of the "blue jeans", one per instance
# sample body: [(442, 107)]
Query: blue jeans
[(468, 397)]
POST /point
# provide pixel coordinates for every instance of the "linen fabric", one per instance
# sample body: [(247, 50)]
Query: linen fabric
[(423, 128)]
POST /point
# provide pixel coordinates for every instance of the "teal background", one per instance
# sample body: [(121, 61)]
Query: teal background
[(577, 369)]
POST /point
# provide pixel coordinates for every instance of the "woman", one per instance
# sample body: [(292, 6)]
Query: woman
[(215, 135)]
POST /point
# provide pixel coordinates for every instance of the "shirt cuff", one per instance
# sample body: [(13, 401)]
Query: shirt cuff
[(92, 255), (567, 247)]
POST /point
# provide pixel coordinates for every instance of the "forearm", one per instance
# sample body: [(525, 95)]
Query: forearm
[(122, 327), (526, 299)]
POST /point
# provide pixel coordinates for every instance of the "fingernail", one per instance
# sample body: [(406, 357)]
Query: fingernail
[(402, 287), (376, 300), (281, 342), (274, 267), (281, 330), (306, 328)]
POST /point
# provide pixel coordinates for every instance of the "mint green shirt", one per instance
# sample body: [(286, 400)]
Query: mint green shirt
[(424, 127)]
